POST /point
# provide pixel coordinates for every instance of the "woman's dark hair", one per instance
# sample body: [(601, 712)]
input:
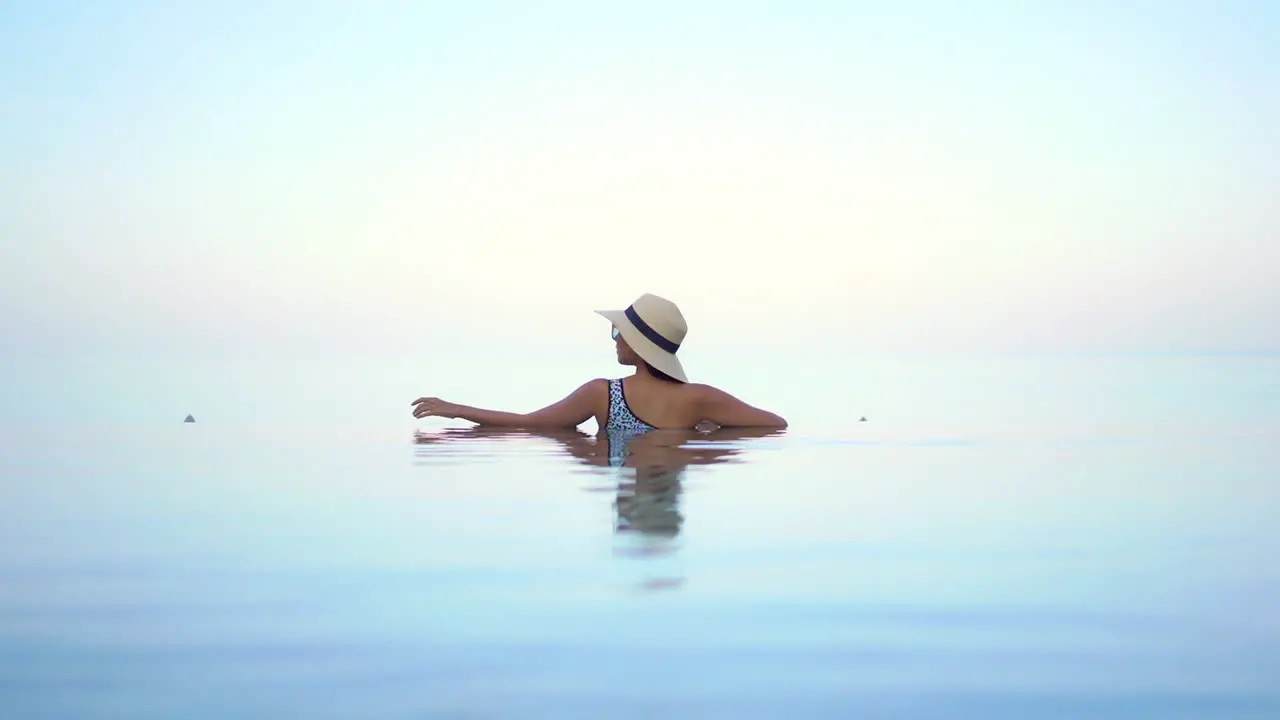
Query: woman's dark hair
[(658, 373)]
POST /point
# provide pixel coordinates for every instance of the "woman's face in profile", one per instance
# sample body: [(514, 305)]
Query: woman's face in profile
[(626, 356)]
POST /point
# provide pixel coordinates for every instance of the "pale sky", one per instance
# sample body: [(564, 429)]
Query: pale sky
[(948, 175)]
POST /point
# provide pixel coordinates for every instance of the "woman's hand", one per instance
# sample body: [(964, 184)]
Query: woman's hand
[(430, 406), (706, 426)]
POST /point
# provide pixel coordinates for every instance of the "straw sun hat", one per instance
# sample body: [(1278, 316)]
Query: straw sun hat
[(654, 328)]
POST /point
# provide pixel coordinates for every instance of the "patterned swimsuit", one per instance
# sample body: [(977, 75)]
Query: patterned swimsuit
[(622, 426), (621, 419)]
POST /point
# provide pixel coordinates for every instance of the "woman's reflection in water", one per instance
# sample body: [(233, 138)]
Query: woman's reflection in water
[(648, 466)]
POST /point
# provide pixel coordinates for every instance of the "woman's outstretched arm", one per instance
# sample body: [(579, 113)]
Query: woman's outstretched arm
[(575, 409), (726, 410)]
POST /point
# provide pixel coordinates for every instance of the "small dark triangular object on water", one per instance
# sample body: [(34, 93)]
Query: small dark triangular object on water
[(189, 419), (861, 420)]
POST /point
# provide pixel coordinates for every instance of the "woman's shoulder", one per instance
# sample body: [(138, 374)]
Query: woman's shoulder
[(697, 391), (594, 388), (701, 396)]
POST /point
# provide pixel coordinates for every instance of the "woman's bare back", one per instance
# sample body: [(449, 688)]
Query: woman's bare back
[(664, 405)]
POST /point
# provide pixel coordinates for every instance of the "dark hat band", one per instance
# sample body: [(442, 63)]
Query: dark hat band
[(653, 335)]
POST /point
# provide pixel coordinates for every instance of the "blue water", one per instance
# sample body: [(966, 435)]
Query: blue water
[(1010, 538)]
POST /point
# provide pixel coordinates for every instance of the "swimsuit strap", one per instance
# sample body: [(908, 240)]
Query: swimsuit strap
[(620, 415)]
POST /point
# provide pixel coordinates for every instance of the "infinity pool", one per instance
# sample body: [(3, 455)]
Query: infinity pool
[(295, 571)]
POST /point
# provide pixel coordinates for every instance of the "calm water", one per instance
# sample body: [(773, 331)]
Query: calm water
[(1004, 539)]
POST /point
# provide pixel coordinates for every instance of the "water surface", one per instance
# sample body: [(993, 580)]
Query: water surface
[(981, 563)]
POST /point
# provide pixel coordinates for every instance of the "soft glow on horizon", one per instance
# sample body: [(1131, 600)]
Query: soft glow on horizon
[(1086, 177)]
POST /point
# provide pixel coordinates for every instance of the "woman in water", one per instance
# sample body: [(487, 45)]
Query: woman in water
[(657, 396)]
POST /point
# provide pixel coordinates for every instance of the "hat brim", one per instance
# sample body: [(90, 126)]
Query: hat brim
[(658, 359)]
